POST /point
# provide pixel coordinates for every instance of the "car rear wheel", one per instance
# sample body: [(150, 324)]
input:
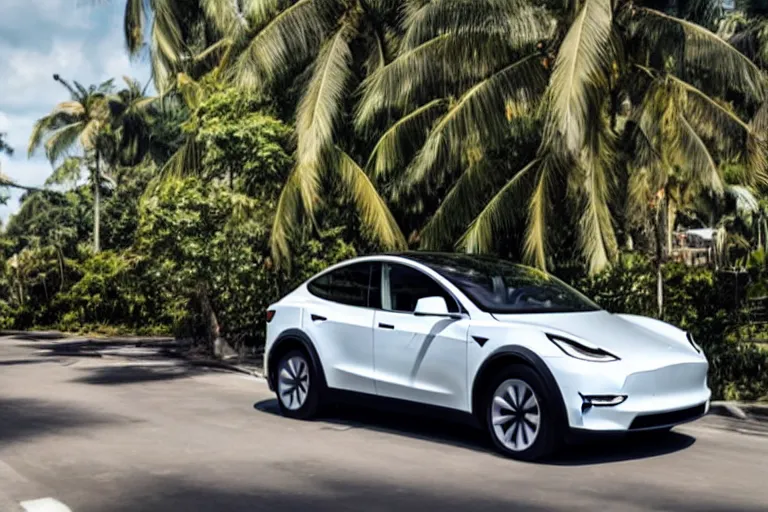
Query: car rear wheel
[(298, 388), (519, 414)]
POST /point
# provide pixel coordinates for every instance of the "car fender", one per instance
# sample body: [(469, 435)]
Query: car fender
[(300, 336), (529, 357)]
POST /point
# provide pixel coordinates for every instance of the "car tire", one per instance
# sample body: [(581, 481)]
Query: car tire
[(297, 386), (519, 414)]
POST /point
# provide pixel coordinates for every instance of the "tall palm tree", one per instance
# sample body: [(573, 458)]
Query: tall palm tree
[(620, 71), (77, 124)]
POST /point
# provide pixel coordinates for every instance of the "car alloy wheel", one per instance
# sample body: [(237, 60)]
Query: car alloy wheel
[(515, 415), (293, 382)]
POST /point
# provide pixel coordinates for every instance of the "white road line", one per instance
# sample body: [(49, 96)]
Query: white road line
[(45, 505)]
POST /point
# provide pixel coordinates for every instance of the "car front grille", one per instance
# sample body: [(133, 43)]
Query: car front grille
[(667, 418)]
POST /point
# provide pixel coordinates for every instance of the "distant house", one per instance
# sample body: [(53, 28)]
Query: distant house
[(694, 247)]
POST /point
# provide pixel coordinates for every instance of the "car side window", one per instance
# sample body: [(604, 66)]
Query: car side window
[(407, 285), (348, 285)]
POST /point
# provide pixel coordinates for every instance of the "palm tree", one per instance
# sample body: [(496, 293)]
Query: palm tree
[(326, 47), (131, 111), (620, 72), (77, 124)]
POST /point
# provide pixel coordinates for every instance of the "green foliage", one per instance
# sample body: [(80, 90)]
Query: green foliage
[(196, 241), (192, 234), (243, 144)]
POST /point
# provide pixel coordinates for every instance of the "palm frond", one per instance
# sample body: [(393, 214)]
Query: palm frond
[(696, 157), (460, 207), (70, 171), (535, 246), (396, 144), (260, 12), (69, 108), (706, 113), (374, 213), (167, 36), (167, 47), (133, 25), (495, 217), (480, 114), (290, 38), (703, 50), (186, 161), (597, 237), (39, 129), (285, 221), (441, 67), (713, 119), (759, 123), (746, 199), (319, 113), (518, 20), (89, 133), (581, 73), (227, 16), (61, 140)]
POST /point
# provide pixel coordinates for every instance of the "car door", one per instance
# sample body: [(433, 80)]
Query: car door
[(418, 358), (340, 319)]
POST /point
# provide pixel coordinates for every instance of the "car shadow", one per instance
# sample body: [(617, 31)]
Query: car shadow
[(583, 453)]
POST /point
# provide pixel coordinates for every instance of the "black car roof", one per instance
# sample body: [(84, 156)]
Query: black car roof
[(444, 257)]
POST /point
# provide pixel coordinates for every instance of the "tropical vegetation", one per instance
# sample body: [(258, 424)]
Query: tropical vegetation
[(283, 135)]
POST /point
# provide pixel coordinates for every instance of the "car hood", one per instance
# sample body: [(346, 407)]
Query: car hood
[(615, 333)]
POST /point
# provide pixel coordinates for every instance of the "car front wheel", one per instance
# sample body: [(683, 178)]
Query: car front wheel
[(298, 388), (519, 414)]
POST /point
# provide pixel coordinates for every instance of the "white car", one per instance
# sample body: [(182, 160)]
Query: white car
[(512, 348)]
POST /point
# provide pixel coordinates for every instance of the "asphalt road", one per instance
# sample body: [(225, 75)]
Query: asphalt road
[(114, 435)]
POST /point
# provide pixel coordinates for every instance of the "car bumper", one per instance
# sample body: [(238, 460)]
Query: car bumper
[(653, 397)]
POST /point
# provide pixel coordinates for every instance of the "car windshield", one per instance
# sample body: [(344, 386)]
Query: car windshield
[(497, 286)]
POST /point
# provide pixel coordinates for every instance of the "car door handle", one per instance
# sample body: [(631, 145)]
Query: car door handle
[(386, 326), (318, 318)]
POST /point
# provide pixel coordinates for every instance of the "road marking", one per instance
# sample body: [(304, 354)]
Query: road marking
[(45, 505)]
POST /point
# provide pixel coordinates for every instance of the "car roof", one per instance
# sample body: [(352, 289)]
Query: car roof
[(436, 257)]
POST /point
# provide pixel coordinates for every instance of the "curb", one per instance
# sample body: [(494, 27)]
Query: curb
[(212, 363), (740, 410)]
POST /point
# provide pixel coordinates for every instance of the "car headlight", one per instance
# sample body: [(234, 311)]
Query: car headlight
[(693, 343), (580, 351)]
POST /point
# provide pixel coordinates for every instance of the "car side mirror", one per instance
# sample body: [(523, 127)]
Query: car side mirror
[(431, 306)]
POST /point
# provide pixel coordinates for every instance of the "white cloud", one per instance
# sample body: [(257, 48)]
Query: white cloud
[(64, 14), (17, 129), (28, 79)]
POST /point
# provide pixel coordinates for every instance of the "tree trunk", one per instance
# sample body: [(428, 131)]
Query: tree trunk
[(221, 349), (60, 257), (670, 222), (96, 205), (659, 224)]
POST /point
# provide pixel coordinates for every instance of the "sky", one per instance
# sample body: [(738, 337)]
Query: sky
[(80, 40)]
